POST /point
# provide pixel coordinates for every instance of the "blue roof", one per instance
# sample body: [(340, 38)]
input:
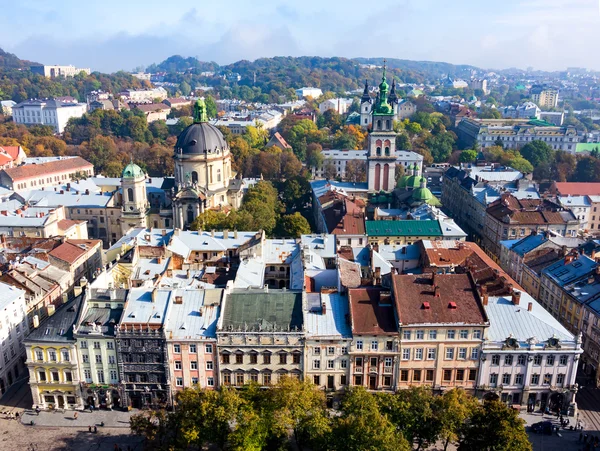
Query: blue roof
[(528, 243), (562, 274), (320, 187)]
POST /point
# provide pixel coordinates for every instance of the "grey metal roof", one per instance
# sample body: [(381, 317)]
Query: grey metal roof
[(334, 322), (58, 327), (562, 274), (272, 310), (146, 306), (195, 317), (508, 319)]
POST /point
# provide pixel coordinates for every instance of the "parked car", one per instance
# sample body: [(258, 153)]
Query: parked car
[(543, 427)]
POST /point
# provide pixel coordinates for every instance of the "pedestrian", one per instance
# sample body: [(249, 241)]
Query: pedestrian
[(37, 410), (75, 415), (95, 429), (89, 429)]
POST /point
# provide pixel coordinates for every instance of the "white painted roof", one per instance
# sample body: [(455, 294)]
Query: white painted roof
[(9, 294), (195, 317), (144, 308), (333, 323), (251, 273), (506, 319)]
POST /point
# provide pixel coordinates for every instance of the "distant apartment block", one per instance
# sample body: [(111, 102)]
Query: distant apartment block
[(309, 92), (58, 71), (544, 97)]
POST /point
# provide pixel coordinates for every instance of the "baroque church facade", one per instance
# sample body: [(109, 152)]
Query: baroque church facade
[(203, 174)]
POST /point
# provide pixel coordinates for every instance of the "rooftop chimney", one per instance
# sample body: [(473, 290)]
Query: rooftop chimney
[(530, 307), (235, 235), (484, 295), (323, 308), (516, 297), (51, 309), (164, 232), (178, 300), (433, 278), (212, 232), (436, 291), (225, 234)]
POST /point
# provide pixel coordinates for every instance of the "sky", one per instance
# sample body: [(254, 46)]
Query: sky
[(110, 35)]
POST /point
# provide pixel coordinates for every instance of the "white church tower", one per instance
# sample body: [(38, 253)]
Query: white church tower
[(381, 154), (135, 201)]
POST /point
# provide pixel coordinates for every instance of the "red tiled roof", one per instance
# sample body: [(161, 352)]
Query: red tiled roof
[(526, 211), (577, 188), (68, 252), (13, 151), (371, 313), (426, 298), (277, 136), (66, 224), (173, 100), (352, 222), (152, 107), (35, 170), (349, 273), (5, 159)]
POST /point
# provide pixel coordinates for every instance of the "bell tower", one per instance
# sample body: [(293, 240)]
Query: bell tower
[(381, 153), (135, 201), (366, 104)]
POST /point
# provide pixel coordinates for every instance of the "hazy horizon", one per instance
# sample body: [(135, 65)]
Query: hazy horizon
[(109, 36)]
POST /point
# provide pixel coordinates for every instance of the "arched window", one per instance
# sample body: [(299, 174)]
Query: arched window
[(194, 177), (387, 124), (130, 194), (378, 151), (378, 124), (190, 214), (366, 108), (387, 151)]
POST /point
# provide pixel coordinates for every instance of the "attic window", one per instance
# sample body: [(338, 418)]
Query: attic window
[(132, 315), (426, 305), (62, 331), (47, 331), (147, 272), (452, 305), (182, 326)]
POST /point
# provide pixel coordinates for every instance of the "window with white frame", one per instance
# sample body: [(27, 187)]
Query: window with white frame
[(406, 334), (343, 363), (462, 353), (433, 334), (420, 334), (177, 364), (430, 353), (476, 334), (192, 349), (550, 360), (405, 354), (374, 345), (317, 350), (66, 356), (193, 365), (209, 381), (560, 379), (449, 353), (451, 334), (179, 381), (330, 364), (522, 359), (98, 358), (495, 359), (330, 350), (177, 349), (209, 365), (464, 334), (508, 360), (359, 345), (208, 348), (563, 360), (316, 364), (419, 354), (493, 379), (387, 362), (111, 359)]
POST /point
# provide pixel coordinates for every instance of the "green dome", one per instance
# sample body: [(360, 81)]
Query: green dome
[(132, 171), (402, 181), (414, 181), (422, 194)]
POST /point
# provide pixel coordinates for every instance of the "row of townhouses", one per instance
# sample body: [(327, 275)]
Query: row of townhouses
[(166, 315)]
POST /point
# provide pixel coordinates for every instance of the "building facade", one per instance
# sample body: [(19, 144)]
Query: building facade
[(15, 327), (51, 112)]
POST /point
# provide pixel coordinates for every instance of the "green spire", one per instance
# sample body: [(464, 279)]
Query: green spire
[(200, 112), (383, 107)]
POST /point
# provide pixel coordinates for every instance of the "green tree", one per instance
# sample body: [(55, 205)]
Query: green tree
[(159, 130), (299, 406), (314, 157), (468, 156), (362, 427), (295, 193), (211, 106), (537, 152), (185, 88), (521, 165), (403, 142), (452, 410), (329, 169), (494, 426), (292, 226)]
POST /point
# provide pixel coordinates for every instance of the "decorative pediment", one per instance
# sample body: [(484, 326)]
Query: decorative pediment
[(553, 342), (511, 343)]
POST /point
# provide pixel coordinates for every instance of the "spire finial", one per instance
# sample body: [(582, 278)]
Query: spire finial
[(200, 111), (384, 64)]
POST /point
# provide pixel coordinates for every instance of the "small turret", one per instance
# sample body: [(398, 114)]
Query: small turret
[(366, 96), (393, 98)]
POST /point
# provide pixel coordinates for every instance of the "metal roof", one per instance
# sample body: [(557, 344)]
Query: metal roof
[(334, 322), (403, 228), (272, 310), (195, 317)]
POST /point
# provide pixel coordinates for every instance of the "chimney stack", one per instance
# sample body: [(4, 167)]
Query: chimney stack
[(225, 234), (530, 307), (484, 295), (436, 291), (433, 278), (516, 297), (235, 235), (323, 309), (164, 232)]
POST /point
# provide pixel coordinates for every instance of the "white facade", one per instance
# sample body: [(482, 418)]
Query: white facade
[(54, 113), (339, 105), (580, 206), (309, 92), (528, 357), (525, 111), (339, 158), (57, 71), (13, 328)]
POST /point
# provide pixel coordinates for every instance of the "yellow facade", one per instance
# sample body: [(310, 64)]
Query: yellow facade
[(53, 375)]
